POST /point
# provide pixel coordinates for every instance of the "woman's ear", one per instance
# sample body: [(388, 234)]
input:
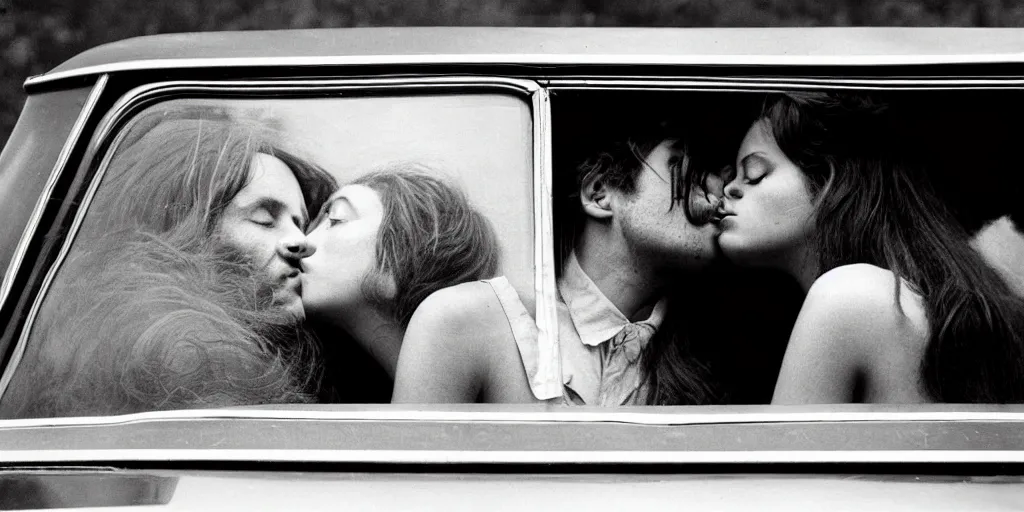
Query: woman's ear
[(595, 198)]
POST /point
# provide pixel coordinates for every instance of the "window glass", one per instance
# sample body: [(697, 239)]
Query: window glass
[(29, 157), (252, 251), (831, 247)]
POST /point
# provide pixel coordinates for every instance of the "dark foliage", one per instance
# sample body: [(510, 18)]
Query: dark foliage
[(36, 35)]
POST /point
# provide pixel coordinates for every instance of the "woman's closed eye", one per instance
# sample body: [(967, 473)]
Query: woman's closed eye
[(755, 168)]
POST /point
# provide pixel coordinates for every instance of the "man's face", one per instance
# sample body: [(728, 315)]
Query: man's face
[(657, 229), (265, 221)]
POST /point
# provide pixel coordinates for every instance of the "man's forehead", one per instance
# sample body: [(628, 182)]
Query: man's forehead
[(272, 182)]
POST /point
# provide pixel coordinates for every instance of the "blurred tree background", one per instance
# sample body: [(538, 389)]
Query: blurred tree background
[(36, 35)]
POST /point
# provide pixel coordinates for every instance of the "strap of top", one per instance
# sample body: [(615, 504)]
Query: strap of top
[(526, 334)]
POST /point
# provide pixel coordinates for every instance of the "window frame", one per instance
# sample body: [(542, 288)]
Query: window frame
[(63, 158), (538, 91)]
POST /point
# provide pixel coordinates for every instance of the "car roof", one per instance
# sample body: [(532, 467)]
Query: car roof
[(856, 46)]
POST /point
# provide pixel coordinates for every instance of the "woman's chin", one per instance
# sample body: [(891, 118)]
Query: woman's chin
[(737, 252)]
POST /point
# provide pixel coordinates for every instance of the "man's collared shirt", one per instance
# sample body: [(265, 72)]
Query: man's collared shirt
[(600, 348)]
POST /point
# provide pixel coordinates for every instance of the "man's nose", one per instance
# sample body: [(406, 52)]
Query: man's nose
[(733, 190), (295, 247), (714, 184)]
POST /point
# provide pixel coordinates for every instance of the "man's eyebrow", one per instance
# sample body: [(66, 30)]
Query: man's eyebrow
[(272, 205)]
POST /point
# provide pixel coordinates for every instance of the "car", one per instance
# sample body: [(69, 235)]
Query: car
[(500, 111)]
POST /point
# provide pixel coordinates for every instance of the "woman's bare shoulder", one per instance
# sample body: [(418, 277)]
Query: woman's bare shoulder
[(450, 345), (464, 316), (851, 330), (466, 304), (860, 303)]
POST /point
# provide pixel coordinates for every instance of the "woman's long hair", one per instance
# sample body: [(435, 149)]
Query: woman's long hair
[(874, 205), (430, 238)]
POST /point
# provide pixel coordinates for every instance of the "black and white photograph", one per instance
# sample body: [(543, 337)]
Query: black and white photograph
[(496, 255)]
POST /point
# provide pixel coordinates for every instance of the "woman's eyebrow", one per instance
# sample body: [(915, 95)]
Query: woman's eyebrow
[(326, 208), (344, 201)]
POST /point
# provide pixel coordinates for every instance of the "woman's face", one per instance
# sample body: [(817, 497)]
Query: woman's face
[(344, 236), (768, 210)]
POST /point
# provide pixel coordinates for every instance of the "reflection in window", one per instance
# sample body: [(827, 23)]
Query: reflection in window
[(28, 159)]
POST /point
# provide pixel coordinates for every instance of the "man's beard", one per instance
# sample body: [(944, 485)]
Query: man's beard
[(670, 254), (232, 260)]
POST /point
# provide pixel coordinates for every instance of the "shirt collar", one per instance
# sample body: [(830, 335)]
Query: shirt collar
[(595, 318)]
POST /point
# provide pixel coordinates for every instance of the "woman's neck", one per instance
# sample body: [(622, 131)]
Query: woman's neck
[(378, 334)]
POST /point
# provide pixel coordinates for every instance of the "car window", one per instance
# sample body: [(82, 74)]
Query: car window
[(28, 159), (706, 247), (211, 214)]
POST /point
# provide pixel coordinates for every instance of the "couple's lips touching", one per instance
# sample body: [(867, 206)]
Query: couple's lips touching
[(722, 212), (289, 282)]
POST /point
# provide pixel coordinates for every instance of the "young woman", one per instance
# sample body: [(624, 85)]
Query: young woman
[(179, 291), (383, 243), (898, 308)]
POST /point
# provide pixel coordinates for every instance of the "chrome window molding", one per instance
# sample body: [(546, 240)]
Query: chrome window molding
[(769, 84), (537, 91), (44, 197), (507, 457), (138, 98), (851, 61), (497, 413), (547, 316)]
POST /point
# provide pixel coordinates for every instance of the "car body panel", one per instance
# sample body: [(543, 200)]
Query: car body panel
[(299, 490), (490, 434)]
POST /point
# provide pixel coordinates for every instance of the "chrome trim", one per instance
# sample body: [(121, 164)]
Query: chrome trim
[(758, 83), (33, 222), (547, 316), (513, 457), (138, 96), (528, 60), (132, 98), (653, 416), (44, 196), (542, 164)]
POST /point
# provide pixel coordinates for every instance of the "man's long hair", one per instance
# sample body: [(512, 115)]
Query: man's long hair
[(154, 327), (150, 311), (178, 177), (873, 206)]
